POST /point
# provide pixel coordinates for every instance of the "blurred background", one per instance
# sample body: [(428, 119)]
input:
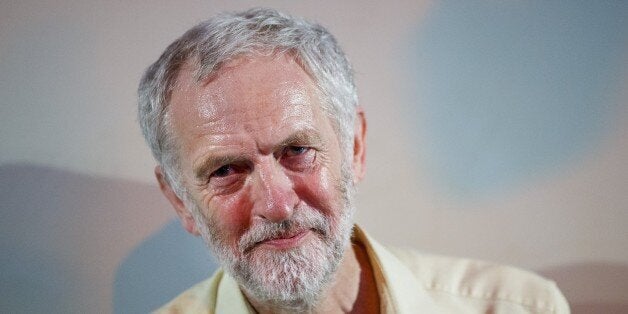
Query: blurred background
[(498, 130)]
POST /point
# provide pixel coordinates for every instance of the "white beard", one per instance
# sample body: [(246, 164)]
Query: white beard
[(292, 279)]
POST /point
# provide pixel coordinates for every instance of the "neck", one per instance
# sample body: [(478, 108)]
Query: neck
[(353, 289)]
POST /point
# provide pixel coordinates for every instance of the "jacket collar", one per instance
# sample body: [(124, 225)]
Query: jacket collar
[(399, 290)]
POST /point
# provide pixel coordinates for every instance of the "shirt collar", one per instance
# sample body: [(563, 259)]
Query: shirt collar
[(398, 289), (230, 298)]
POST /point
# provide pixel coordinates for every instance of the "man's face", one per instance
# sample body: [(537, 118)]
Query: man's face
[(266, 181)]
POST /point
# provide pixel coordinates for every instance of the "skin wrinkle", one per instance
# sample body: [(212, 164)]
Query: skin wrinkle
[(220, 125), (208, 163)]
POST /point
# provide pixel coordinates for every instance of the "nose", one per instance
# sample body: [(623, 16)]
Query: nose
[(274, 196)]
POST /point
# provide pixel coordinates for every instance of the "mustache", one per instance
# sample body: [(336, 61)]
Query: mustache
[(303, 219)]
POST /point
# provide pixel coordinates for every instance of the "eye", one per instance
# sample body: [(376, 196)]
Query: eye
[(227, 178), (298, 158), (292, 151), (223, 171)]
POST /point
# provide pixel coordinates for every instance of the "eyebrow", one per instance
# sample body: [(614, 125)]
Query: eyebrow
[(302, 137), (308, 137)]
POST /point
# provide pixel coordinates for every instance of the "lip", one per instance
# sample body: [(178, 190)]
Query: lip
[(288, 241)]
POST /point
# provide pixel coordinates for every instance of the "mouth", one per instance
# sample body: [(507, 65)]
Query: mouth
[(286, 241)]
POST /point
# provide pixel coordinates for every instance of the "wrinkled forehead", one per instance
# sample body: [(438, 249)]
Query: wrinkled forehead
[(274, 86), (246, 77)]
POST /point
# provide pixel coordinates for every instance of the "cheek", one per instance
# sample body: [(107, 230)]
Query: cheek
[(319, 190), (232, 214)]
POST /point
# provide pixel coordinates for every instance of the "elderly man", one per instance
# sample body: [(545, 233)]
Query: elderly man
[(253, 119)]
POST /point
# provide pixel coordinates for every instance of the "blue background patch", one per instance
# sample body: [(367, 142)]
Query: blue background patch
[(511, 89)]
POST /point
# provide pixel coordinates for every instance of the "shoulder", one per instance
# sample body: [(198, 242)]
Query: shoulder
[(482, 284), (197, 299)]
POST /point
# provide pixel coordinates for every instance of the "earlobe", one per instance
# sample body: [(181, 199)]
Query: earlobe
[(359, 145), (187, 220)]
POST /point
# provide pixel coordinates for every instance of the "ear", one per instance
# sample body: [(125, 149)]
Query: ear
[(359, 145), (187, 220)]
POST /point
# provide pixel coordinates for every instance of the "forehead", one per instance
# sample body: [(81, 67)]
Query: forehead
[(257, 97)]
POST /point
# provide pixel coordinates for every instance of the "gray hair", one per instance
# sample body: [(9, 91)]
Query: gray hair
[(227, 36)]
